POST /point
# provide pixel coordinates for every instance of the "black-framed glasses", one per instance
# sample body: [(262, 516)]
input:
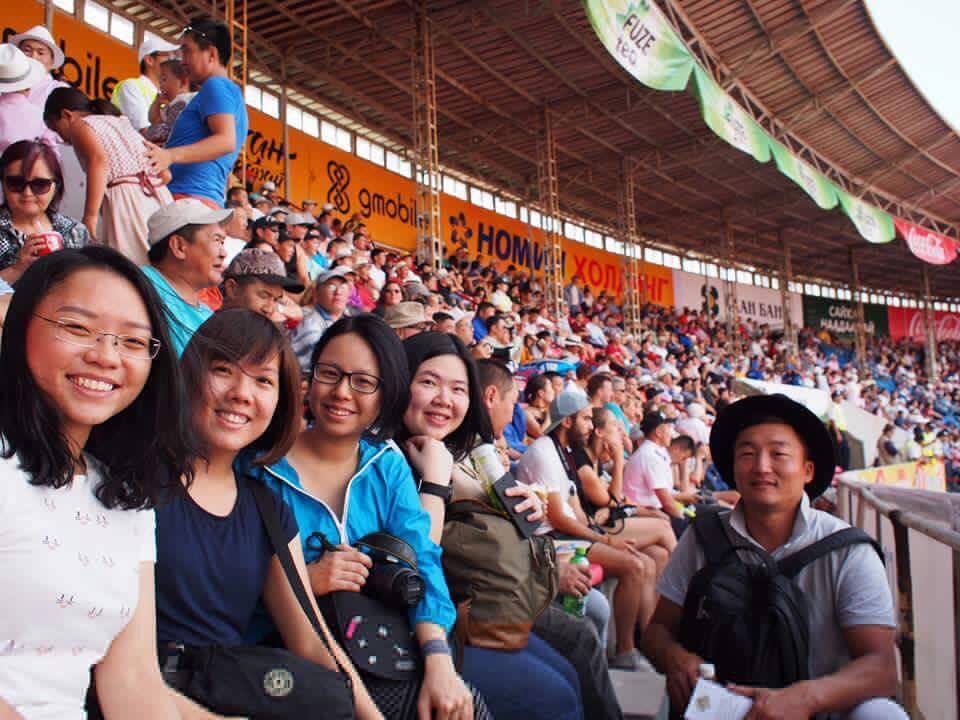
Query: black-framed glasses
[(76, 333), (19, 183), (363, 383)]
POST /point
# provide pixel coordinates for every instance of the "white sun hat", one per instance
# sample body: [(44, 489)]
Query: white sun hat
[(17, 71), (41, 35)]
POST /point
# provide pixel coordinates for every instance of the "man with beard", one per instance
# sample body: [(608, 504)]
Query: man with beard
[(549, 462)]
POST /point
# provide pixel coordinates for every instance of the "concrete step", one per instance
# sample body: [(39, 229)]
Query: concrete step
[(642, 695)]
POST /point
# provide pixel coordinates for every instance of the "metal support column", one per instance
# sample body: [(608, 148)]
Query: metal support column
[(48, 15), (730, 296), (786, 278), (632, 279), (285, 130), (237, 71), (929, 326), (426, 143), (550, 207), (859, 323)]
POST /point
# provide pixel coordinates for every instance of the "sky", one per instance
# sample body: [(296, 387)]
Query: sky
[(924, 35)]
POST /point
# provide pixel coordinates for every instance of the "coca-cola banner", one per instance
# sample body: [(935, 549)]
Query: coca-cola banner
[(908, 323), (927, 245)]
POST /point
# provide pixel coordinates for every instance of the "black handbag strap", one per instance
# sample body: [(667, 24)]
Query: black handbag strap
[(793, 564), (712, 536), (266, 505)]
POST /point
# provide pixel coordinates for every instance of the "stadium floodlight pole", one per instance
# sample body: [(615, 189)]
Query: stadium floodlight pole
[(550, 208), (859, 323), (929, 326), (786, 279), (632, 279), (426, 147)]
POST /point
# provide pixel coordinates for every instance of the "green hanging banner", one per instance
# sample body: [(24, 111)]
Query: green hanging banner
[(639, 37), (812, 181), (728, 120), (873, 224)]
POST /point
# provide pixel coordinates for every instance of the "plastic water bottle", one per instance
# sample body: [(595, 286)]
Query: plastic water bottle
[(486, 462), (576, 606)]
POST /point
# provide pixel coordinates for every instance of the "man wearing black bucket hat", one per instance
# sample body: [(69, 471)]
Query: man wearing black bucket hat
[(779, 456)]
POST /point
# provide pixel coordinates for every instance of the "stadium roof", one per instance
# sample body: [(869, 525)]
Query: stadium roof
[(815, 73)]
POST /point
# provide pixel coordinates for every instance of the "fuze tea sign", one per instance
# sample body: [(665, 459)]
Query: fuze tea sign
[(839, 318)]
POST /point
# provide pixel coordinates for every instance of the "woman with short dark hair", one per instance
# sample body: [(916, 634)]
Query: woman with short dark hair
[(215, 561), (30, 222), (91, 431)]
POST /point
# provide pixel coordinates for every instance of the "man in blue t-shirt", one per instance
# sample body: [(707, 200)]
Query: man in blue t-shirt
[(186, 255), (208, 135)]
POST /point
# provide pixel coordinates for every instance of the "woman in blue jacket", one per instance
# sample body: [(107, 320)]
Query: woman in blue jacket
[(345, 480)]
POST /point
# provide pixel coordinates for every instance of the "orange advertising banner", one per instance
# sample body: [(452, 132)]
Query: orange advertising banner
[(96, 62)]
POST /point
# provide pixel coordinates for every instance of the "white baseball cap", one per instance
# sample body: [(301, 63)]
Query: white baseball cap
[(42, 35), (152, 44), (180, 213), (17, 71)]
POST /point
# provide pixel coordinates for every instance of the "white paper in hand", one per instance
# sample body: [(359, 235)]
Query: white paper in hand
[(712, 701)]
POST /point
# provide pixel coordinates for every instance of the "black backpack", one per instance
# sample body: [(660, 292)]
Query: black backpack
[(750, 621)]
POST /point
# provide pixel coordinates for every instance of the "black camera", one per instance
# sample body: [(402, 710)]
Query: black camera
[(393, 579)]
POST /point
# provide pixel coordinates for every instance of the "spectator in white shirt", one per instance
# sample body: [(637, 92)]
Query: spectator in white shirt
[(134, 96), (648, 476), (549, 461)]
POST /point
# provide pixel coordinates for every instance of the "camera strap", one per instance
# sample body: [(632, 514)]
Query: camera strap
[(266, 505)]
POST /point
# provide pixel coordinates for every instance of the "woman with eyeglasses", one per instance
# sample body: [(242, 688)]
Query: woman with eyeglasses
[(30, 224), (92, 429), (344, 479)]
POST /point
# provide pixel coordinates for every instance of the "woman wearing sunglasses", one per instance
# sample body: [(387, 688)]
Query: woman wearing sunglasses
[(30, 225)]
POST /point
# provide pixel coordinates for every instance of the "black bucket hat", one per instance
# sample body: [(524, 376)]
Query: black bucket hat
[(756, 409)]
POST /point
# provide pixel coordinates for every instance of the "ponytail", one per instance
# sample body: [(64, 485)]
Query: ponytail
[(102, 106), (68, 98)]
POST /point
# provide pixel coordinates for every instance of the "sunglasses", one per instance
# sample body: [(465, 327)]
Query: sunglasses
[(192, 30), (38, 186)]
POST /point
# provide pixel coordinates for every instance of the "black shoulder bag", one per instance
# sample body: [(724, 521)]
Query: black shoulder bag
[(751, 620), (255, 682)]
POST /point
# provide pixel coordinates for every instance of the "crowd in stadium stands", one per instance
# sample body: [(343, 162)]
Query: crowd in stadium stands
[(190, 341)]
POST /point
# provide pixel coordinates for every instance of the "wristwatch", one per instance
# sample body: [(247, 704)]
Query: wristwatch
[(444, 492), (437, 646)]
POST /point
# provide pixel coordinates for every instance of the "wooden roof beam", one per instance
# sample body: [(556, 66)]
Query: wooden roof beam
[(784, 38)]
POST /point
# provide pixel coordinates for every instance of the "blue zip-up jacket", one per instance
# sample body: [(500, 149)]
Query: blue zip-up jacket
[(381, 497)]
